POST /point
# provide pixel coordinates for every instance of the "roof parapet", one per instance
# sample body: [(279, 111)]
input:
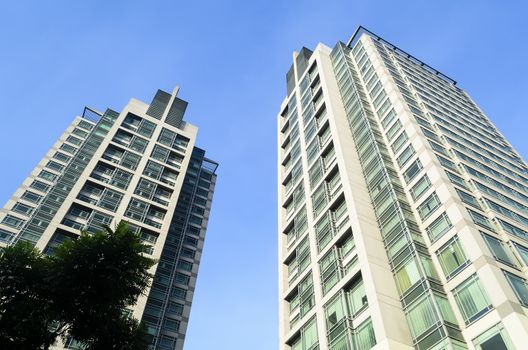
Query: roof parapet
[(362, 30)]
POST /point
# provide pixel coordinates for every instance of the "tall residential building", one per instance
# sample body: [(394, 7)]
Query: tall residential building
[(403, 216), (142, 166)]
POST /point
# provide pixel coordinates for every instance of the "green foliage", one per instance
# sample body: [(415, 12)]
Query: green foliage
[(79, 292), (125, 333), (24, 299)]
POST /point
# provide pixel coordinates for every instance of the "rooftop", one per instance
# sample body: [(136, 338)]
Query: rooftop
[(362, 30)]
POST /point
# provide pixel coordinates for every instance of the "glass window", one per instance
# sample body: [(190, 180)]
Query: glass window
[(523, 253), (495, 338), (365, 337), (407, 275), (46, 175), (396, 245), (185, 265), (294, 303), (394, 130), (357, 297), (471, 299), (85, 125), (499, 250), (468, 199), (429, 206), (428, 267), (309, 335), (62, 157), (446, 163), (504, 199), (74, 140), (6, 236), (404, 157), (146, 128), (329, 268), (420, 187), (384, 107), (399, 142), (334, 312), (507, 212), (412, 171), (80, 132), (514, 230), (520, 287), (452, 258), (439, 227), (40, 186), (388, 119), (181, 278), (31, 196), (188, 253), (131, 122), (68, 148), (457, 180), (438, 148), (346, 246), (480, 220), (445, 309), (55, 166), (324, 232), (306, 291), (12, 221), (22, 208), (167, 342), (171, 325), (422, 316), (179, 293)]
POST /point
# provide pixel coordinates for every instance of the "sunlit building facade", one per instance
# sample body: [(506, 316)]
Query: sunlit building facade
[(403, 211), (140, 165)]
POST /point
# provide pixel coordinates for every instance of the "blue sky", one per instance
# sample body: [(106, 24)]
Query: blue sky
[(230, 59)]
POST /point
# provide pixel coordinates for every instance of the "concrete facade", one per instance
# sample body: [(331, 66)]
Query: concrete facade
[(140, 165), (402, 209)]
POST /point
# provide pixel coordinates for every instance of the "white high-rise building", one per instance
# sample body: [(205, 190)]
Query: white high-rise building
[(403, 212), (142, 166)]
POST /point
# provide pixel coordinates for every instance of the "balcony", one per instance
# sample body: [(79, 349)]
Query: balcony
[(340, 333), (123, 138), (325, 231), (74, 223), (113, 155), (131, 122)]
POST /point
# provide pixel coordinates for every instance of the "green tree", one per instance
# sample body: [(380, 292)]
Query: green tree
[(24, 299), (79, 292)]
